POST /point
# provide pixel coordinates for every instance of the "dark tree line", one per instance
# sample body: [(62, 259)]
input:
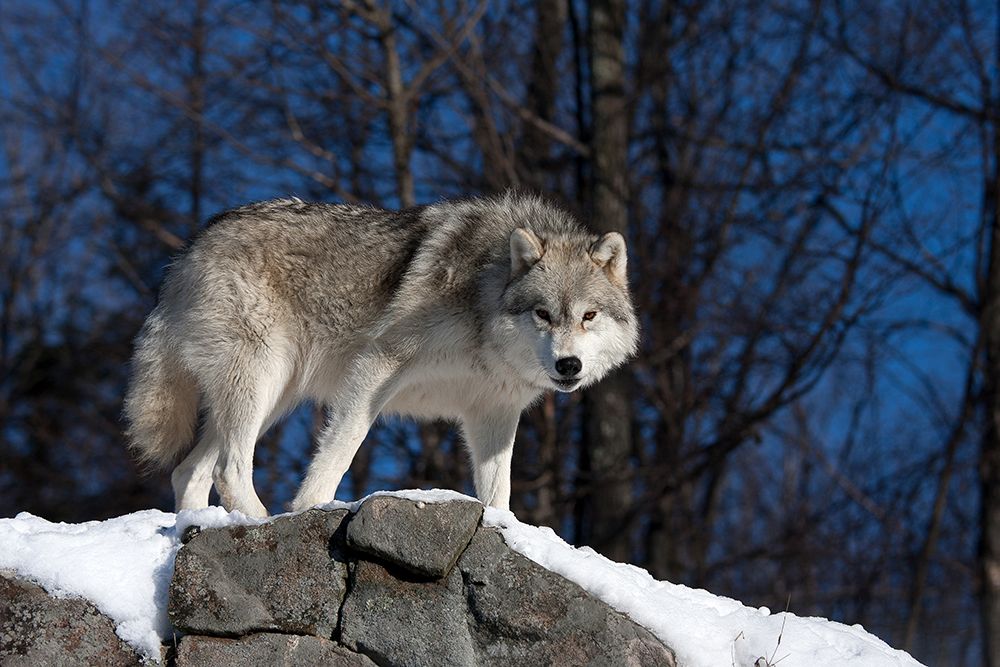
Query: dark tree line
[(809, 189)]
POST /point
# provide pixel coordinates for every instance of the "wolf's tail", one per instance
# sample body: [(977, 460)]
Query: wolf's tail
[(161, 404)]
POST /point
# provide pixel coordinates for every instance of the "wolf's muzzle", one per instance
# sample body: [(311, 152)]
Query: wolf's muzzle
[(568, 366)]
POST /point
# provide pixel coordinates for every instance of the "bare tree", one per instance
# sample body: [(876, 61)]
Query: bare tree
[(943, 64)]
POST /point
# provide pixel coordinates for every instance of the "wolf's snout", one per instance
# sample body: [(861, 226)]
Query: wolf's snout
[(568, 366)]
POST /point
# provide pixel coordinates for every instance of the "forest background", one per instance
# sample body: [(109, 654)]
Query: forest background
[(809, 189)]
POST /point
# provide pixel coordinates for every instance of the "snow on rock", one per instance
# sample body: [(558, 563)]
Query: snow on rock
[(124, 566), (703, 629), (416, 495)]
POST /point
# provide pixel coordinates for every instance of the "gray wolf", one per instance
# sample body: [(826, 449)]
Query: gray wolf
[(467, 310)]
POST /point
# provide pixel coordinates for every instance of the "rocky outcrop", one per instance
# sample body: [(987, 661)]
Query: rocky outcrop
[(425, 539), (400, 582), (277, 577), (526, 615), (37, 629)]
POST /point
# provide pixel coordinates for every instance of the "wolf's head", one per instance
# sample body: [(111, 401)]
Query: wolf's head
[(569, 301)]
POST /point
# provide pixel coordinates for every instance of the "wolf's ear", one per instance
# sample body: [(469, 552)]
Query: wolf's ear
[(608, 252), (525, 250)]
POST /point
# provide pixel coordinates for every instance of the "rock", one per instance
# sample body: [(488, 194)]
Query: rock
[(401, 583), (524, 614), (399, 620), (441, 592), (37, 629), (286, 575), (266, 650), (424, 538)]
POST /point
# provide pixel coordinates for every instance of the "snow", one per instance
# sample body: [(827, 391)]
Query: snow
[(703, 629), (416, 495), (124, 566)]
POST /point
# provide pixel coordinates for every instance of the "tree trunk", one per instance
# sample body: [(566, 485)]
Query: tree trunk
[(543, 87), (607, 409), (989, 466), (670, 247), (397, 103), (989, 463)]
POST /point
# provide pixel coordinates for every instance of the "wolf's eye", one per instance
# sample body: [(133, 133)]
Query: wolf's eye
[(589, 315), (543, 315)]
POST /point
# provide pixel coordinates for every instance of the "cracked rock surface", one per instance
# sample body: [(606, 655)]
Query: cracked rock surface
[(288, 575), (399, 582), (424, 538), (267, 649)]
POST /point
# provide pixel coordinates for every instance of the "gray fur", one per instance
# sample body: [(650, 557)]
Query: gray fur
[(422, 312)]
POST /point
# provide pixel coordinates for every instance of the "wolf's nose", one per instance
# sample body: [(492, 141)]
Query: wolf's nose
[(568, 365)]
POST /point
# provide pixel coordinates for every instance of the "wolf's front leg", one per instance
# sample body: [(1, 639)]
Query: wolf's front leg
[(365, 392), (490, 438), (338, 442)]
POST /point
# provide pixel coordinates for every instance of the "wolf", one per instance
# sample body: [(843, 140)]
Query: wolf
[(467, 310)]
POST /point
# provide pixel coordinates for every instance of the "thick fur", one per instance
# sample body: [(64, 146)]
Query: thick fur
[(457, 310)]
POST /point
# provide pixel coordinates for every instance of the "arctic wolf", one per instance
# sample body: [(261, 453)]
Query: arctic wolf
[(467, 310)]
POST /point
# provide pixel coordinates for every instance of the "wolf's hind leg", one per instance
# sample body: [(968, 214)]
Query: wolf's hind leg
[(250, 392), (192, 479), (490, 438)]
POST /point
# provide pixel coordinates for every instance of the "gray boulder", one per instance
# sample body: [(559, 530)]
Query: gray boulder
[(400, 620), (523, 614), (424, 538), (37, 629), (287, 575), (496, 607), (266, 650), (401, 583)]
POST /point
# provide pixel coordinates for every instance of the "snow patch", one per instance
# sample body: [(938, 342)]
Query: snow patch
[(418, 495), (124, 567), (703, 629)]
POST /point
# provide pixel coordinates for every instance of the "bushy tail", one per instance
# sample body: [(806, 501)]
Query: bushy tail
[(161, 404)]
